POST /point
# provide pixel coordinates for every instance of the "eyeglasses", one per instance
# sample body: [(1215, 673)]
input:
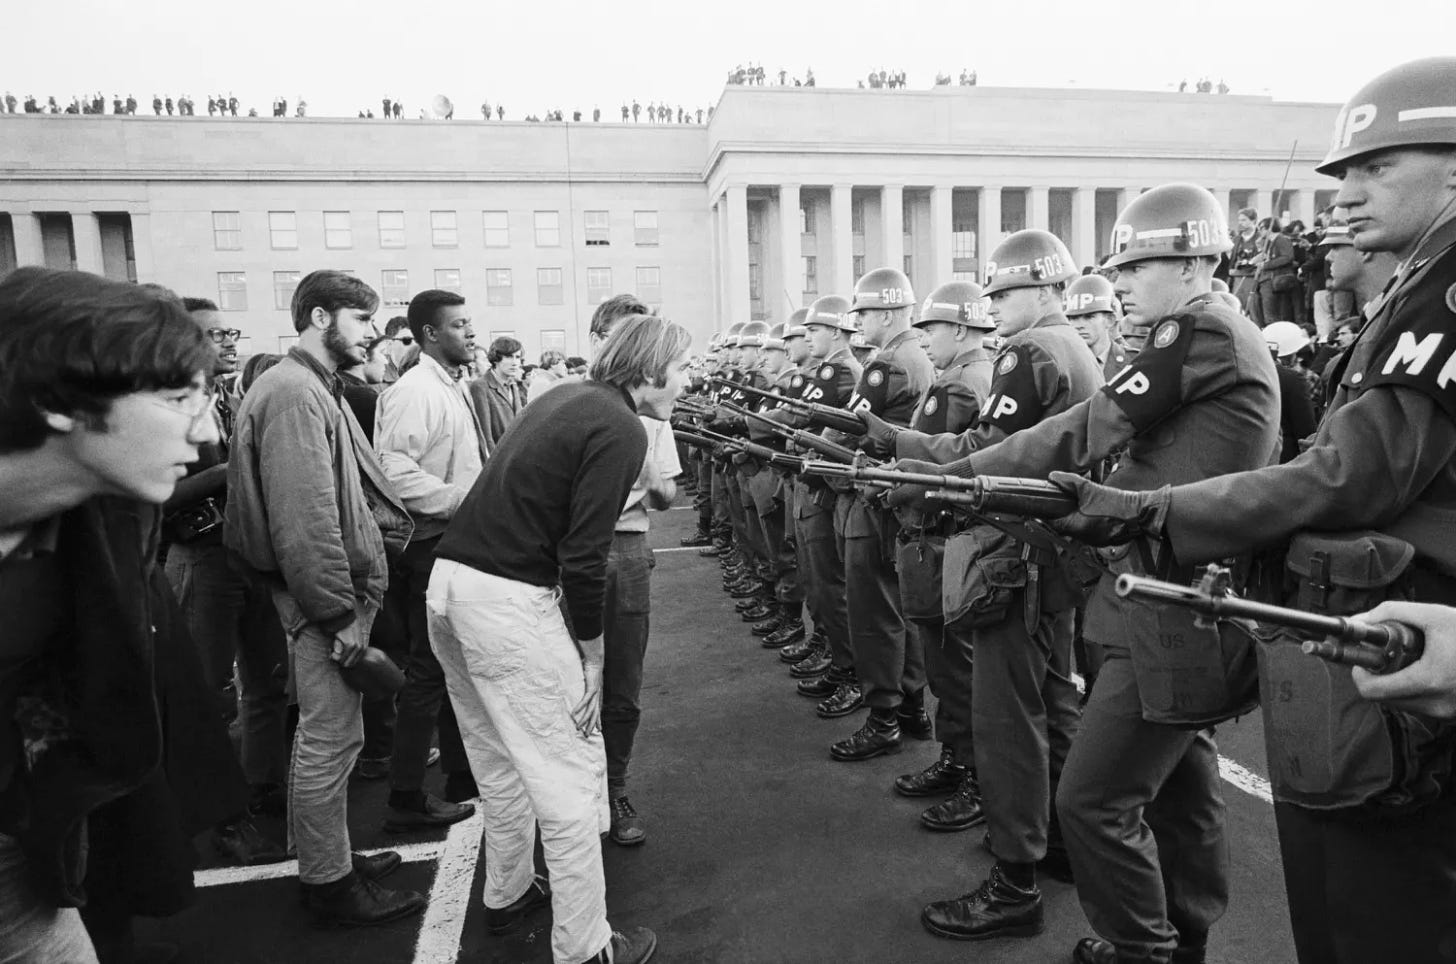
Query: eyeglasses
[(193, 406), (406, 340), (219, 335)]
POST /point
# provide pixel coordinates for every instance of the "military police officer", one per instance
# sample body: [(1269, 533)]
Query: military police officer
[(1093, 310)]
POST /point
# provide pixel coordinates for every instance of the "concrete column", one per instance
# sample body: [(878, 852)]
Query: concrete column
[(1221, 194), (791, 287), (892, 227), (29, 250), (715, 255), (141, 243), (1038, 208), (1084, 225), (86, 229), (1303, 207), (940, 231), (841, 279), (1263, 202), (736, 256), (988, 219)]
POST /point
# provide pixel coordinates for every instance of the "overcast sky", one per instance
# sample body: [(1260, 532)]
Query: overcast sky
[(537, 55)]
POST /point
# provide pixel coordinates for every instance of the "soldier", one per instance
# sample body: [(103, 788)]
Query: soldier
[(1019, 596), (888, 660), (1093, 310), (792, 381), (755, 587), (1363, 793), (955, 322), (722, 525), (1361, 274)]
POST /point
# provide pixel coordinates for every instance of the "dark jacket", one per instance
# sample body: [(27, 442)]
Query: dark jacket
[(496, 405)]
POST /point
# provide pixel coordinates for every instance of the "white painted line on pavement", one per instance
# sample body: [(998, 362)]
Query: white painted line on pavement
[(224, 876), (450, 896), (679, 549)]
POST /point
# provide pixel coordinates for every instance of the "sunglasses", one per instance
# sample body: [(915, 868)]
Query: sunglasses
[(220, 335), (406, 340)]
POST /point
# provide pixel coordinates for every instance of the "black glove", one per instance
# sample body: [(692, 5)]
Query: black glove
[(913, 496), (1108, 516), (878, 440)]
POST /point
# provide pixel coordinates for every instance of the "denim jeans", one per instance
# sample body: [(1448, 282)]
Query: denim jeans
[(329, 737), (514, 676), (625, 617), (32, 931), (230, 615)]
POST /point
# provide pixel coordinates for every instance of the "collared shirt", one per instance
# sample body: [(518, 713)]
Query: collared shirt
[(430, 443), (660, 465)]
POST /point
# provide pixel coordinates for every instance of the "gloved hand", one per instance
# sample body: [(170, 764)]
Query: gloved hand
[(879, 439), (913, 496), (1108, 516)]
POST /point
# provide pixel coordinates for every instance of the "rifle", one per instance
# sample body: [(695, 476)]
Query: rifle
[(830, 450), (1032, 498), (1382, 647), (825, 416), (707, 439)]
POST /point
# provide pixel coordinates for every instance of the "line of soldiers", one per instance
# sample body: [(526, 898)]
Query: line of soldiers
[(1169, 442)]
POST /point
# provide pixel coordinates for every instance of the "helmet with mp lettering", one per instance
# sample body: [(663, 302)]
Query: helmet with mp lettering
[(1170, 221), (1412, 105), (1029, 259), (1090, 294), (831, 310), (730, 337), (958, 302), (1285, 338), (882, 288), (1337, 233), (775, 337), (753, 335), (794, 327)]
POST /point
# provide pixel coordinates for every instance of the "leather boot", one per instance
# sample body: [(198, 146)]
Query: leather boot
[(914, 722), (997, 908), (356, 901), (942, 776), (960, 812), (846, 698), (634, 945), (743, 605), (697, 540), (790, 630), (815, 664), (770, 625), (880, 734), (750, 587), (817, 688), (799, 648)]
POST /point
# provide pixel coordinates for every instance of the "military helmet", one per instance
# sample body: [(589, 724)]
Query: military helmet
[(882, 288), (775, 337), (831, 310), (1089, 295), (794, 327), (730, 337), (1029, 259), (958, 302), (1337, 234), (715, 342), (857, 340), (1407, 106), (753, 335), (1285, 337), (1170, 221)]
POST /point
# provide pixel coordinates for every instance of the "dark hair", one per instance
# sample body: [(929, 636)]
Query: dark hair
[(1249, 213), (576, 361), (1271, 224), (331, 291), (551, 356), (255, 366), (395, 324), (617, 306), (500, 348), (199, 304), (72, 342), (425, 307)]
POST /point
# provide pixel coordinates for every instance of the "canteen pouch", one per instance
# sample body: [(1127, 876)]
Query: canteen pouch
[(983, 570), (920, 562), (1188, 675), (1327, 747)]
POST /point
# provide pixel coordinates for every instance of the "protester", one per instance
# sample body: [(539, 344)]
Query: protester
[(498, 395)]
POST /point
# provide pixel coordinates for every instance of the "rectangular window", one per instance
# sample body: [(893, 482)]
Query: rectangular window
[(447, 279), (856, 217), (227, 231), (498, 287), (909, 266), (806, 218), (598, 228), (232, 291), (857, 266), (811, 279), (283, 284), (644, 227), (649, 286), (548, 286), (283, 230), (338, 230), (598, 285), (553, 341), (391, 229), (548, 229), (394, 286), (443, 231), (497, 229)]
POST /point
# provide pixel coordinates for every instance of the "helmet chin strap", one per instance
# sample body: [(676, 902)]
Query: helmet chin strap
[(1441, 216)]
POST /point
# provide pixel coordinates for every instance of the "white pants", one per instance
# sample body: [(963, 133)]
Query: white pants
[(514, 675)]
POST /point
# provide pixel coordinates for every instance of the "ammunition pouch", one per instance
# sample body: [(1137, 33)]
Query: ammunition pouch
[(983, 570), (920, 562), (1328, 748)]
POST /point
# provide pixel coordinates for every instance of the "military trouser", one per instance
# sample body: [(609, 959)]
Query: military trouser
[(738, 519), (948, 669), (1024, 714), (703, 494), (756, 544), (770, 493), (722, 517), (1142, 812), (887, 658), (824, 573)]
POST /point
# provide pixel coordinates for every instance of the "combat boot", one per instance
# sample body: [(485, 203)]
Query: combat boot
[(942, 776), (816, 664), (790, 630), (998, 908), (846, 698), (817, 688), (960, 812), (759, 613), (750, 586), (798, 647), (697, 540), (1094, 950), (914, 721), (880, 734), (769, 625)]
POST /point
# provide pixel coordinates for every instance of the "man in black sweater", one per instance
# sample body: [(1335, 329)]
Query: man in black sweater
[(536, 528)]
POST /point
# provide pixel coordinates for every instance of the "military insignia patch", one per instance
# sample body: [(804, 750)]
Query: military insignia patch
[(876, 377), (931, 405), (1008, 362), (827, 372), (1451, 299), (797, 381), (1166, 335)]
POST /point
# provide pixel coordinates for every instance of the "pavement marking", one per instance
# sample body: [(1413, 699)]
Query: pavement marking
[(224, 876), (450, 895), (1245, 780), (679, 549)]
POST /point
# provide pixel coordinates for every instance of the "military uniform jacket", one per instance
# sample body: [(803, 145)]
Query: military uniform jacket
[(953, 403), (1039, 372), (1384, 455), (1119, 353), (892, 385), (831, 381)]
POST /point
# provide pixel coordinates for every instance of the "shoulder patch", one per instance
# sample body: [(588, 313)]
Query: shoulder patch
[(1007, 363), (876, 377), (931, 405), (797, 381), (1451, 299), (1150, 387), (1166, 334), (827, 372)]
